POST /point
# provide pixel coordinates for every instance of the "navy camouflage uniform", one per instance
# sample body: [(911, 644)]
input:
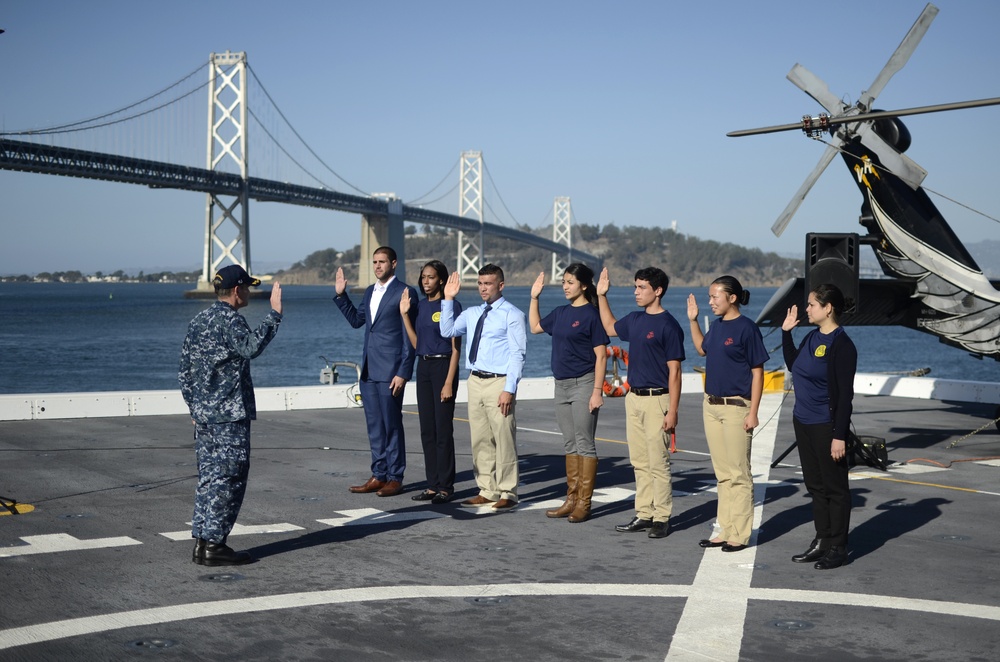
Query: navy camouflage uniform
[(215, 381)]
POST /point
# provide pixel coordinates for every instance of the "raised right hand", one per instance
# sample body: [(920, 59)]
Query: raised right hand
[(603, 283), (452, 287), (791, 319), (692, 308), (536, 287), (276, 298), (340, 284), (404, 301)]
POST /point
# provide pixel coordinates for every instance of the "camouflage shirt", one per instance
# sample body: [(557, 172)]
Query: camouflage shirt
[(215, 363)]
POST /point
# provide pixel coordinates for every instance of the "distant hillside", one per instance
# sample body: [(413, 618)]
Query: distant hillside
[(688, 261)]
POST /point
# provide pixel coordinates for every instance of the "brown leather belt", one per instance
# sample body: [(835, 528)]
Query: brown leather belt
[(736, 402)]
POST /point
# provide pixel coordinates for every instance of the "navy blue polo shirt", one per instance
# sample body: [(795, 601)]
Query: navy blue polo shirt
[(429, 338), (732, 348), (652, 341), (575, 331), (809, 372)]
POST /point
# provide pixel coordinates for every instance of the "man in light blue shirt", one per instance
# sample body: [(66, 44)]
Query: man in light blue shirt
[(495, 357)]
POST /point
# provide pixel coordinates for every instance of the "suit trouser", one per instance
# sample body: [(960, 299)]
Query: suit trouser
[(729, 446), (649, 452), (577, 423), (826, 481), (223, 452), (494, 440), (384, 419), (437, 424)]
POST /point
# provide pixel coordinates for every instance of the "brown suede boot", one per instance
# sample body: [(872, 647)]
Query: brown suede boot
[(572, 473), (585, 489)]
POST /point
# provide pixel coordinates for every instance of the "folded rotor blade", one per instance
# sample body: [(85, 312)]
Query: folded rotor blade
[(900, 56), (831, 151), (896, 162), (812, 85)]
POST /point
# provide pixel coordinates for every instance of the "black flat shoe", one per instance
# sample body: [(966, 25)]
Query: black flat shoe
[(711, 543), (659, 530), (726, 547), (636, 524), (817, 550), (442, 497), (426, 495), (834, 558)]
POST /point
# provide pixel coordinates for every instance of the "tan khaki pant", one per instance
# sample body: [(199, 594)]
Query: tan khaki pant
[(649, 452), (494, 440), (729, 445)]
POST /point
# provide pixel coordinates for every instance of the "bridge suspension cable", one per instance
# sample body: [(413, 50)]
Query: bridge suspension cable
[(500, 197), (297, 135), (77, 126), (418, 201)]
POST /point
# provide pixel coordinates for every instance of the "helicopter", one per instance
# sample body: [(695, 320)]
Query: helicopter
[(932, 283)]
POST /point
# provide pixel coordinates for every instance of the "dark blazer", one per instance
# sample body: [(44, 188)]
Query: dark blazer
[(841, 366), (388, 352)]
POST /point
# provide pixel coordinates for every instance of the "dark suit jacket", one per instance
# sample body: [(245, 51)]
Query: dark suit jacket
[(388, 352)]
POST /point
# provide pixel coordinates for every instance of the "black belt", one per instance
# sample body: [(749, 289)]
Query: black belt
[(486, 375), (736, 402), (435, 356), (649, 391)]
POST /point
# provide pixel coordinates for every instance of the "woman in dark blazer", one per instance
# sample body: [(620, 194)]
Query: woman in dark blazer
[(823, 370)]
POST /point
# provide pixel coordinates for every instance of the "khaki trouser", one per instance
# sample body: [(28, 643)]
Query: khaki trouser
[(494, 440), (729, 445), (649, 452)]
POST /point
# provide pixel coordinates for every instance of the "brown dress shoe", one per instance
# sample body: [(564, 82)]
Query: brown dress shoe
[(373, 484), (392, 488), (478, 500), (504, 504)]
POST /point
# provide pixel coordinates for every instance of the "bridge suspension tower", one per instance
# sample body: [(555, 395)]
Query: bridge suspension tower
[(562, 212), (227, 218), (470, 204)]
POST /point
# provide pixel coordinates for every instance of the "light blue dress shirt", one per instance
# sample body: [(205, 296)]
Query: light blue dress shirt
[(503, 344)]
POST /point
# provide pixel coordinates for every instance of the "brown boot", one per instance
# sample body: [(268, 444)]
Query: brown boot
[(572, 471), (584, 489)]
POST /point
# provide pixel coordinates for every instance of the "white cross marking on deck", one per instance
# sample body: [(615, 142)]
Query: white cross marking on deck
[(240, 530), (62, 542), (711, 625), (375, 516)]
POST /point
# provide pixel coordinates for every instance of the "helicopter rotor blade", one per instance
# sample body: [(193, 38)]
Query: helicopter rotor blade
[(800, 195), (900, 57), (814, 86), (877, 115), (892, 159)]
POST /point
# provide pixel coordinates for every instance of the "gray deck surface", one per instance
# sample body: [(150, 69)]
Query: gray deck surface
[(409, 581)]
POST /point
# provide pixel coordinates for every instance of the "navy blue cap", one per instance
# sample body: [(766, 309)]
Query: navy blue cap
[(233, 276)]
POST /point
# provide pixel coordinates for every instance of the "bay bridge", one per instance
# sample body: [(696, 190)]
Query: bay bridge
[(229, 185)]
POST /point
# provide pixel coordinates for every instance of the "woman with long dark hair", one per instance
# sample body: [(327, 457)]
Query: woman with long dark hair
[(579, 360), (734, 382), (823, 369), (437, 381)]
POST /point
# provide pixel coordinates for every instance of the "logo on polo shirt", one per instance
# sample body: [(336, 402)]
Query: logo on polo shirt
[(650, 335), (820, 351), (729, 341), (436, 317), (576, 324)]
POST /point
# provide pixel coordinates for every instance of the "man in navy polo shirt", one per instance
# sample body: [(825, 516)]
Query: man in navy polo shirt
[(656, 349)]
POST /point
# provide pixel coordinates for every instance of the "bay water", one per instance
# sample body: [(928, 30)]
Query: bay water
[(71, 337)]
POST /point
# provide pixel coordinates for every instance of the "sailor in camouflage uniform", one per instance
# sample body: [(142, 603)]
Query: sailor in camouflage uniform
[(215, 382)]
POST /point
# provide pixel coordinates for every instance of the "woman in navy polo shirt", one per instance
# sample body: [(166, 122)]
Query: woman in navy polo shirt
[(734, 382), (823, 370), (579, 359), (437, 380)]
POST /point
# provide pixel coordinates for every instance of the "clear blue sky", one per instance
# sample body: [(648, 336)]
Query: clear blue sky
[(623, 106)]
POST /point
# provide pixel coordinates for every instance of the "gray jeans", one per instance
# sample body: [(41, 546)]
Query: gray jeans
[(577, 423)]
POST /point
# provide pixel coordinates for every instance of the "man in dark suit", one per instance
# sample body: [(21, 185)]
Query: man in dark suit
[(386, 366)]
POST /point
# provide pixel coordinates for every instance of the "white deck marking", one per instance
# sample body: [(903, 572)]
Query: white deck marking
[(711, 625), (240, 530), (368, 516), (62, 542)]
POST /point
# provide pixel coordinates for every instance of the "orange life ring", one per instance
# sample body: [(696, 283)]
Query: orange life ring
[(616, 386)]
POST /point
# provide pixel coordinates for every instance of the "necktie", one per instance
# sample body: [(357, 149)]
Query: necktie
[(474, 348)]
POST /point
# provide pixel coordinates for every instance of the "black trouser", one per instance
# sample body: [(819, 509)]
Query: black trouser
[(826, 481), (437, 427)]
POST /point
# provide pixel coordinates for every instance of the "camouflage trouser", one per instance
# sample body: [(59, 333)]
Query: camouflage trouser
[(223, 451)]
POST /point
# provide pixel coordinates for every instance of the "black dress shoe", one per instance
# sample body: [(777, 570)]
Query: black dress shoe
[(636, 524), (442, 497), (817, 550), (726, 547), (216, 554), (834, 558), (659, 530), (199, 550), (711, 543), (426, 495)]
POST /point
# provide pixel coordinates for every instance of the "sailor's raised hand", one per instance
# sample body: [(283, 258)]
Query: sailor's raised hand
[(692, 308), (404, 301), (340, 283), (791, 319), (536, 287), (603, 283), (276, 298)]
